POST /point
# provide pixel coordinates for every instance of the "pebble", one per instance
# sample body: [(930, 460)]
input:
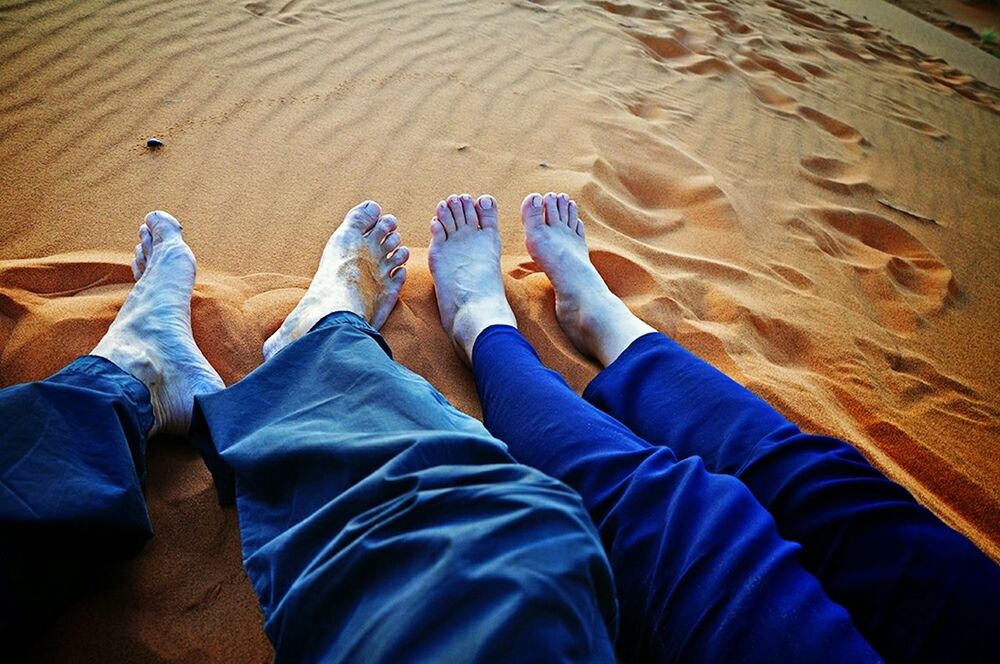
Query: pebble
[(154, 143)]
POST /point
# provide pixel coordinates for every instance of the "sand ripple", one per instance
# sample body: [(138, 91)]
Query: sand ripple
[(795, 194)]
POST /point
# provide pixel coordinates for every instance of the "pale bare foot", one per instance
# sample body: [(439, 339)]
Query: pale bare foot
[(361, 271), (464, 258), (597, 322), (151, 336)]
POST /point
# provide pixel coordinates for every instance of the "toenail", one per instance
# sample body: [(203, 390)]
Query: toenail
[(536, 200), (486, 203), (371, 207)]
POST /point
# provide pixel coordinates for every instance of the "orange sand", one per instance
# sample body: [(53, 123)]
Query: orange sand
[(799, 196)]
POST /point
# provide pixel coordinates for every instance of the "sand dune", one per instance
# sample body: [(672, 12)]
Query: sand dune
[(799, 196)]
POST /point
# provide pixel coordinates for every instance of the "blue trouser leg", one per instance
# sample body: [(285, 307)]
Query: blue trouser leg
[(701, 572), (916, 589), (72, 458), (380, 524)]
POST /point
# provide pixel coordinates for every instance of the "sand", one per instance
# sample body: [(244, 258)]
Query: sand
[(803, 198), (966, 19)]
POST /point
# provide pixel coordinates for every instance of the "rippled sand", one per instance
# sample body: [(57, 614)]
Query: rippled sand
[(797, 195)]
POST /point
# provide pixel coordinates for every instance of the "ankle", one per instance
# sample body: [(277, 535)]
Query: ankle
[(616, 333), (129, 356), (472, 320), (601, 326)]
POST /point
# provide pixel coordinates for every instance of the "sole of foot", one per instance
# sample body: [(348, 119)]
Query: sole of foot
[(361, 271), (151, 336), (596, 320), (464, 257)]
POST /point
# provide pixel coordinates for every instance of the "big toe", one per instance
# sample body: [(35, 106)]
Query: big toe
[(363, 216), (162, 225), (532, 212)]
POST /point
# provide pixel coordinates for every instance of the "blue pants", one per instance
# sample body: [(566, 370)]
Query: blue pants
[(72, 460), (684, 471), (379, 524)]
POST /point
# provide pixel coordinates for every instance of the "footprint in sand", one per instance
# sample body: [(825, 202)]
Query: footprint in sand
[(682, 51), (835, 175), (627, 183), (918, 386), (911, 390), (726, 20), (848, 53), (921, 126), (708, 65), (798, 280), (754, 62), (264, 9), (862, 29), (797, 13), (666, 48), (798, 47), (895, 274), (634, 11), (290, 12), (774, 98), (782, 342), (815, 70), (831, 125)]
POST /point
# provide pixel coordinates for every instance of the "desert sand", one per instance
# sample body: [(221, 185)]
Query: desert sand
[(966, 19), (803, 197)]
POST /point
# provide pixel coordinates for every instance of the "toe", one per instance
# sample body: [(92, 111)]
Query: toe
[(397, 259), (455, 205), (563, 205), (383, 228), (551, 209), (486, 207), (532, 213), (438, 233), (391, 242), (446, 218), (162, 225), (398, 277), (363, 216), (573, 214), (469, 210), (138, 263), (146, 241)]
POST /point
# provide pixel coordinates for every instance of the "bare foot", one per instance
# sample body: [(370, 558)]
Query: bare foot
[(465, 262), (151, 336), (597, 322), (361, 271)]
